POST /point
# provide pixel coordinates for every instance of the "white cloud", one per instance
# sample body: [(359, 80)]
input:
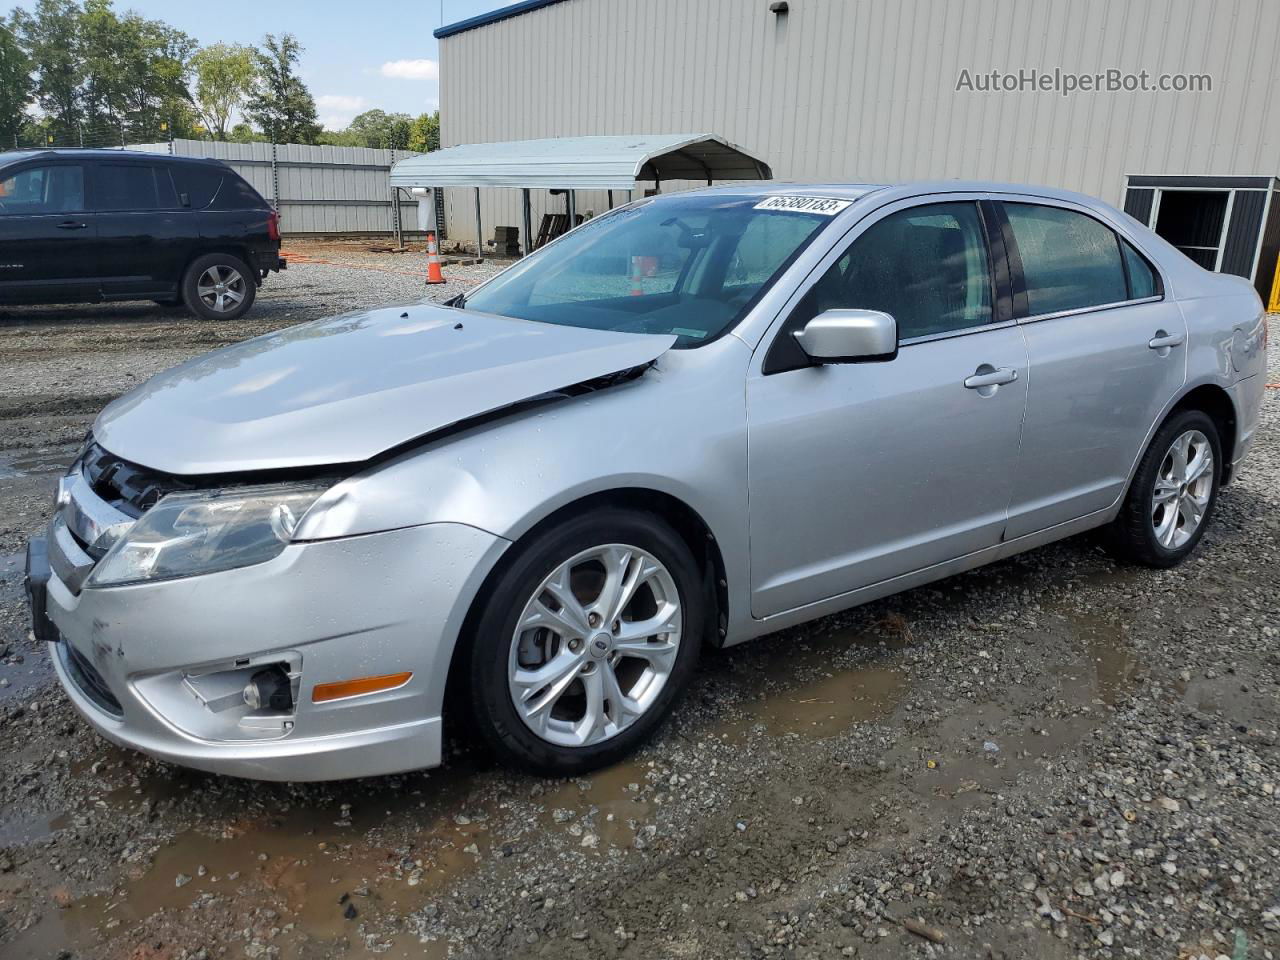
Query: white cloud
[(411, 69), (336, 109)]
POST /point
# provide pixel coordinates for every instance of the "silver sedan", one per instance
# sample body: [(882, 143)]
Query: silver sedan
[(697, 419)]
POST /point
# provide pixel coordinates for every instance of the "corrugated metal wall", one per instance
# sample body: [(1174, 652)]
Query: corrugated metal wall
[(1244, 231), (321, 189), (866, 89)]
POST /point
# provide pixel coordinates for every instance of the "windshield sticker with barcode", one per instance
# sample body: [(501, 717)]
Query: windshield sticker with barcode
[(827, 206)]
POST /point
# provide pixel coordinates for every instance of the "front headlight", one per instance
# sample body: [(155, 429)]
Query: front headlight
[(185, 534)]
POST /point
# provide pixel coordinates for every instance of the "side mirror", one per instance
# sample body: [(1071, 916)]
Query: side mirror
[(850, 336)]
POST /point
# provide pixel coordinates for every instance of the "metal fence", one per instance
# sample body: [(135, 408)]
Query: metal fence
[(318, 190)]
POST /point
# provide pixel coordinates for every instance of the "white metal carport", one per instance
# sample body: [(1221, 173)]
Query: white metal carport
[(578, 163)]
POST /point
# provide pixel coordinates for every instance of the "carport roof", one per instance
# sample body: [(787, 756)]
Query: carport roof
[(582, 163)]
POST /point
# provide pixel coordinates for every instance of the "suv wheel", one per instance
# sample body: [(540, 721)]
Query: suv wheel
[(1173, 493), (585, 642), (218, 286)]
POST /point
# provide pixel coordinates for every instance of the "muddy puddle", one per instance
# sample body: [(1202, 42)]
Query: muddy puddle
[(830, 704), (387, 851), (990, 745), (1114, 664), (823, 686), (31, 464)]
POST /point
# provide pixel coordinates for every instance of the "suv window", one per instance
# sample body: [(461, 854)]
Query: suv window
[(198, 184), (1069, 260), (133, 186), (925, 266), (1142, 278), (236, 194), (37, 190)]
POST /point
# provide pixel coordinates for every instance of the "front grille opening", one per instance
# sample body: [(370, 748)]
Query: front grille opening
[(134, 489), (131, 489), (89, 681)]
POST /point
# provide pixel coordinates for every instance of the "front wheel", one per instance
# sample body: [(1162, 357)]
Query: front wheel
[(585, 641), (1173, 493), (218, 286)]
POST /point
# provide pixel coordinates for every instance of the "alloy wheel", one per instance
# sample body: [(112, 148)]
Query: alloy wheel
[(594, 645), (1183, 486), (221, 288)]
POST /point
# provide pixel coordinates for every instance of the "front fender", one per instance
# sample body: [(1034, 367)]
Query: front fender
[(679, 430)]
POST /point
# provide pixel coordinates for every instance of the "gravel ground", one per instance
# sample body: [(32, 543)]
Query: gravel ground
[(1052, 757)]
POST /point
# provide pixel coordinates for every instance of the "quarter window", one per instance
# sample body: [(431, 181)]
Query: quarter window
[(43, 190), (925, 266), (1070, 261), (197, 184), (1142, 279), (236, 194)]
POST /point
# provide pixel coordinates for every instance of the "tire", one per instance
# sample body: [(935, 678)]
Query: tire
[(503, 659), (206, 300), (1148, 533)]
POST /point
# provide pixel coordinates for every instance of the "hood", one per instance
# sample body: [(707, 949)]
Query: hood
[(345, 389)]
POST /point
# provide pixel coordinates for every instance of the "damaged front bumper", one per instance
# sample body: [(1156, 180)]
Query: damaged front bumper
[(160, 666)]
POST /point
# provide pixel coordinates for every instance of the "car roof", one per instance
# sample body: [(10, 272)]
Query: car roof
[(886, 192), (13, 156)]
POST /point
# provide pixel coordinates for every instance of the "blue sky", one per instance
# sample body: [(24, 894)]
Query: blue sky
[(359, 54)]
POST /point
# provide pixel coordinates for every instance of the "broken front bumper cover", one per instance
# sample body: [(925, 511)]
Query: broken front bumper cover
[(37, 588), (149, 665)]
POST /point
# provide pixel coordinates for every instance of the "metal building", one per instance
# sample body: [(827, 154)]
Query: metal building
[(877, 90)]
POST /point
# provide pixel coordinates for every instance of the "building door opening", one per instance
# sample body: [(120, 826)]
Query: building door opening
[(1195, 222)]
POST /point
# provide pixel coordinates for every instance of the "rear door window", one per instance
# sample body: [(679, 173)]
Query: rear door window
[(133, 186), (43, 190), (1069, 260)]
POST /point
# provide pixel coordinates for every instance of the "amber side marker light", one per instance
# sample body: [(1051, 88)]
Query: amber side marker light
[(343, 689)]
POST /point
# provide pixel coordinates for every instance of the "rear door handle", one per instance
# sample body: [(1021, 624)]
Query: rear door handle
[(988, 376), (1162, 340), (72, 225)]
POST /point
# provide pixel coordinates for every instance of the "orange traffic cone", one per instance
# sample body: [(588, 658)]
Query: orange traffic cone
[(642, 267), (433, 260)]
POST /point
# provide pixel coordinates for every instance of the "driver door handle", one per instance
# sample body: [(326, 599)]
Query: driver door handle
[(1162, 340), (72, 225), (990, 378)]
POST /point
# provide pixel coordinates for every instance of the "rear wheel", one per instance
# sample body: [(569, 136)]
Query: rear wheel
[(1173, 493), (585, 642), (218, 286)]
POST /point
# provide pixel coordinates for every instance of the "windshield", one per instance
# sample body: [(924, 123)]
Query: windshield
[(690, 266)]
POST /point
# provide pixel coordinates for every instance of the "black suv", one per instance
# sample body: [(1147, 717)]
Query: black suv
[(81, 226)]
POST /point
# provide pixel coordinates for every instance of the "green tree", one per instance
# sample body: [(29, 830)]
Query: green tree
[(339, 138), (244, 133), (224, 75), (424, 133), (377, 128), (15, 86), (156, 68), (51, 37), (134, 75), (281, 106)]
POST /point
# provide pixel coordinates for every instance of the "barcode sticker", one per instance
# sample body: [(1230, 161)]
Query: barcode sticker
[(827, 206)]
